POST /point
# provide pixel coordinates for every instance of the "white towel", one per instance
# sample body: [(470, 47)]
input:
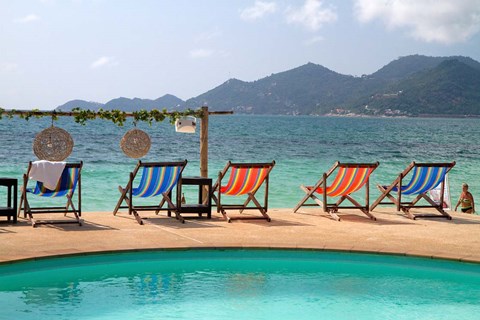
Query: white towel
[(47, 172)]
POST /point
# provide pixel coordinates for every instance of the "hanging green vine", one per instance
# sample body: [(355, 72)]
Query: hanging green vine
[(118, 117)]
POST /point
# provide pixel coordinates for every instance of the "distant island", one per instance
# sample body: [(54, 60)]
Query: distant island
[(410, 86)]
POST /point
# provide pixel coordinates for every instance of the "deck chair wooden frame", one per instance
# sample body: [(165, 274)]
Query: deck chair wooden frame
[(342, 187), (395, 191), (29, 211), (245, 179), (165, 187)]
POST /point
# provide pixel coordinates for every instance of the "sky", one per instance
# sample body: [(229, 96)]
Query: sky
[(54, 51)]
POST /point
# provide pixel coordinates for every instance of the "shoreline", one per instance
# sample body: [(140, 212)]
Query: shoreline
[(310, 229)]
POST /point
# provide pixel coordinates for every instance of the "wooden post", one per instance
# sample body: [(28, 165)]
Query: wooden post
[(204, 149)]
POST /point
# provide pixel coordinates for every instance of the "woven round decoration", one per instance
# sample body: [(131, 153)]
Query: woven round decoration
[(135, 143), (53, 144)]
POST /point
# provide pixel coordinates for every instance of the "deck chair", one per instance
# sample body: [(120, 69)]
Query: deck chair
[(245, 179), (350, 178), (425, 177), (69, 182), (158, 178)]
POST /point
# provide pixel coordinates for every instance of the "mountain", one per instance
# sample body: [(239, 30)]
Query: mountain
[(408, 86), (82, 104), (407, 66), (302, 90), (168, 101), (450, 88)]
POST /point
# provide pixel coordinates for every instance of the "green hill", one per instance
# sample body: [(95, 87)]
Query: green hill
[(408, 86), (167, 101), (307, 89), (411, 86), (450, 88)]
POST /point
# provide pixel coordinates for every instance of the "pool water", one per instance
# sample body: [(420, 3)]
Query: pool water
[(239, 284)]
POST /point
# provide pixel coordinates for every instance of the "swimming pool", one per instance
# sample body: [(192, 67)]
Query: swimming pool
[(239, 284)]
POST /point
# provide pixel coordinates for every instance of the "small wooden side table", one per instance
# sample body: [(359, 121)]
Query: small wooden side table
[(10, 211), (199, 207)]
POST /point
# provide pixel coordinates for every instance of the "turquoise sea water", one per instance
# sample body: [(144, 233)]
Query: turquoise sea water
[(303, 147), (238, 284)]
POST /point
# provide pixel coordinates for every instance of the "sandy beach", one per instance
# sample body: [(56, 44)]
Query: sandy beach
[(310, 228)]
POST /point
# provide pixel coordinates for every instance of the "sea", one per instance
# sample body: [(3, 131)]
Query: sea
[(303, 147)]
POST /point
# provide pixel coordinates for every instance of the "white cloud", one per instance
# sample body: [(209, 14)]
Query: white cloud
[(312, 15), (103, 62), (201, 53), (28, 18), (258, 10), (442, 21)]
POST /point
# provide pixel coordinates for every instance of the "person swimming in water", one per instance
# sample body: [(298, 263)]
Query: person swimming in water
[(466, 200)]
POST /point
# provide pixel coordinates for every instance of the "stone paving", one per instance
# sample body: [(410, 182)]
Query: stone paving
[(457, 239)]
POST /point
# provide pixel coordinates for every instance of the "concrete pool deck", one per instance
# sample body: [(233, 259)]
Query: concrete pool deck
[(457, 239)]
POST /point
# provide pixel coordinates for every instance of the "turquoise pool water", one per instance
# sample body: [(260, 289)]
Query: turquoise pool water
[(239, 284)]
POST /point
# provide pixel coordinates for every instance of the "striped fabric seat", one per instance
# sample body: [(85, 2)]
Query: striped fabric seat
[(423, 180), (350, 178), (424, 177), (157, 180), (67, 183), (244, 180), (347, 181)]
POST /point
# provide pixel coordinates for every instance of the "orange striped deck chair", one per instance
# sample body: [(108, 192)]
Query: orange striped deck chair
[(424, 177), (245, 180), (69, 182), (158, 179), (350, 178)]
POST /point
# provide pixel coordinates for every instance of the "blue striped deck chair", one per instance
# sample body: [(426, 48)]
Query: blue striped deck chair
[(349, 178), (424, 177), (158, 179), (70, 181)]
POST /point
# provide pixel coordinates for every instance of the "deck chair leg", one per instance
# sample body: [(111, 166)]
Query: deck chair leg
[(387, 195), (137, 217), (222, 211), (259, 206), (215, 200), (417, 198), (322, 205), (408, 213), (173, 207), (20, 205), (246, 203), (31, 220), (28, 214), (127, 201), (364, 209), (74, 210), (26, 208), (69, 203), (406, 210), (384, 193), (333, 215), (160, 205), (437, 207), (309, 193), (225, 216), (123, 193)]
